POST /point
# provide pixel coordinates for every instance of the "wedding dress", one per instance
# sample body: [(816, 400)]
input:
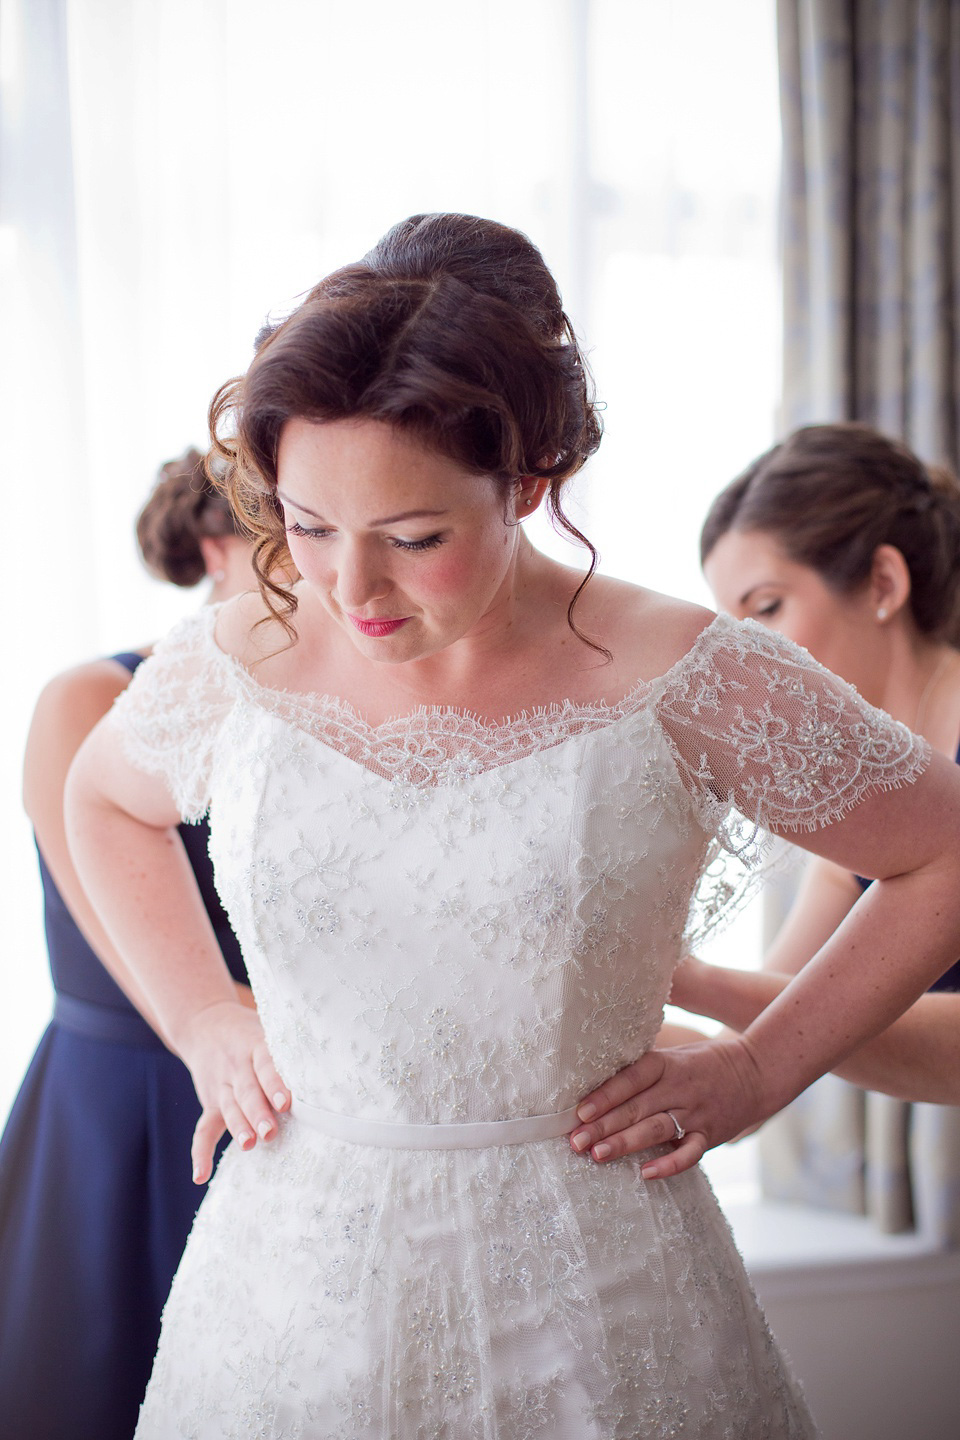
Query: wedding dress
[(454, 929)]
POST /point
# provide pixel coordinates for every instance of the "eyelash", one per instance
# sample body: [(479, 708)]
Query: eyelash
[(429, 542), (768, 610)]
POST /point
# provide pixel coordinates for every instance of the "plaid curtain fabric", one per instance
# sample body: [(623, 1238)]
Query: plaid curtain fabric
[(870, 100)]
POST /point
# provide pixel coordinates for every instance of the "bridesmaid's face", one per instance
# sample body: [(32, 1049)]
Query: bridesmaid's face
[(752, 577), (406, 550)]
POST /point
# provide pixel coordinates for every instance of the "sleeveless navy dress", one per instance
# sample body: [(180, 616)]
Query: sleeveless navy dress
[(950, 979), (96, 1195)]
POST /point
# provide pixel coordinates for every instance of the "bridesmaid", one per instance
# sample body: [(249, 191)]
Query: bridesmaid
[(96, 1195), (844, 541)]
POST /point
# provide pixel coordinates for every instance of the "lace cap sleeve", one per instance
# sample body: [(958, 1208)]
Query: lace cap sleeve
[(168, 718), (760, 726), (767, 739)]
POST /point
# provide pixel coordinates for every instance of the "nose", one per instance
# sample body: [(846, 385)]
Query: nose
[(360, 576)]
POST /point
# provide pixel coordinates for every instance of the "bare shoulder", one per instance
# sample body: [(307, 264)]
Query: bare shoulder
[(248, 630), (77, 698), (648, 632), (68, 708)]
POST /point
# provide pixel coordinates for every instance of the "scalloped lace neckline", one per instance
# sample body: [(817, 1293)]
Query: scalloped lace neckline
[(437, 745), (317, 706)]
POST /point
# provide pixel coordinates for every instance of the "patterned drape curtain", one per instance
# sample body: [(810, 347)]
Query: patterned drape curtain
[(870, 99)]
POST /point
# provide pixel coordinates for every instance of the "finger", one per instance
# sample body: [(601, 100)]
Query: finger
[(621, 1118), (686, 1153), (656, 1130), (622, 1086), (208, 1130), (250, 1094), (237, 1123), (270, 1080)]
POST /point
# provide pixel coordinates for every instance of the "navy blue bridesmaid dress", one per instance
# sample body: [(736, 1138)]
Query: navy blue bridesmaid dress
[(96, 1195)]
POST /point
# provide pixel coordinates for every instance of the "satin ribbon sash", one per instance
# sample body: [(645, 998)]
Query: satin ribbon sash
[(397, 1136), (101, 1022)]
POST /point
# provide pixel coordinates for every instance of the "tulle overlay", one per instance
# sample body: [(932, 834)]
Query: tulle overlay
[(511, 1292), (449, 921)]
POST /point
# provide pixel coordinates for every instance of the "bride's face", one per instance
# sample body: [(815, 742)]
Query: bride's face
[(407, 551)]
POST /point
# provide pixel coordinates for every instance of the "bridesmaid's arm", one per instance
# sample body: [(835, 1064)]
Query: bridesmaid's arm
[(67, 710), (825, 896), (670, 1035), (121, 825), (916, 1058)]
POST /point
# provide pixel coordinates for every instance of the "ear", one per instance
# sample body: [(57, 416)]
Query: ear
[(889, 583), (215, 552), (528, 495)]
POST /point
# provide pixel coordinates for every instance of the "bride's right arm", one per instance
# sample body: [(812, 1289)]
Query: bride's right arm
[(121, 825)]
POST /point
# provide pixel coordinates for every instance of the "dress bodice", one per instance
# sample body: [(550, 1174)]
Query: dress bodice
[(450, 920)]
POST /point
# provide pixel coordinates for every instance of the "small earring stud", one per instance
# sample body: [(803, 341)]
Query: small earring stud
[(218, 577), (528, 503), (882, 613)]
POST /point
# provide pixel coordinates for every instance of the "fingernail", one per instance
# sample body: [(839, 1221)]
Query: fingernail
[(649, 1172), (198, 1176), (264, 1128), (580, 1141), (244, 1138), (279, 1100), (600, 1152), (586, 1112)]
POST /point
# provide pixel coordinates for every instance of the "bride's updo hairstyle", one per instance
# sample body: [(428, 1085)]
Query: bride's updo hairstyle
[(831, 494), (183, 507), (451, 329)]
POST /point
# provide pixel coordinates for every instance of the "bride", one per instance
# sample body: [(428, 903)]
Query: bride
[(460, 799)]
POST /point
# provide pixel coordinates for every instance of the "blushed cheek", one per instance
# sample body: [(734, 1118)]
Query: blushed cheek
[(446, 577)]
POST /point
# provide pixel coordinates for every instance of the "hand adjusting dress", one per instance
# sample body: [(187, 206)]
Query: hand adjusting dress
[(448, 925)]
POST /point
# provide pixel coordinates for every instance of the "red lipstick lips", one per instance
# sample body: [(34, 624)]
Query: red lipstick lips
[(377, 628)]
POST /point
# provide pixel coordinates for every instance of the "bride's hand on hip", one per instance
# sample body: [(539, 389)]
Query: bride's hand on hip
[(691, 1096), (238, 1085)]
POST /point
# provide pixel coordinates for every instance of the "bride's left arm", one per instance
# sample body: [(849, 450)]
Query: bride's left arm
[(843, 781)]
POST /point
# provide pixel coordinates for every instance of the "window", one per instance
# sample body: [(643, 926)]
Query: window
[(204, 161)]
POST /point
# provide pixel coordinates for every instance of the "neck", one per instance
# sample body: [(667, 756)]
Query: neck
[(922, 688)]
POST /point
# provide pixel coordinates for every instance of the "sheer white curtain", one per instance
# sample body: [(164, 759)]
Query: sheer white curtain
[(175, 170)]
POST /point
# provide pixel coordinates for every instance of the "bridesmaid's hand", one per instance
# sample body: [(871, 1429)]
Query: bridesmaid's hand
[(237, 1082), (712, 1088), (689, 985)]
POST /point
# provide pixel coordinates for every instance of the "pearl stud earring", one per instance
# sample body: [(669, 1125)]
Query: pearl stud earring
[(882, 613)]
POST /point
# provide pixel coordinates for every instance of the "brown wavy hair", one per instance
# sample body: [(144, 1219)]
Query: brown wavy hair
[(183, 507), (831, 494), (451, 329)]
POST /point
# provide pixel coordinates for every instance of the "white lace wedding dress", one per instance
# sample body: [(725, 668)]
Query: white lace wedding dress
[(454, 929)]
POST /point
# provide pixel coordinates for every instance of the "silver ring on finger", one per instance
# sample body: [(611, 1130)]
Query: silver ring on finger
[(676, 1125)]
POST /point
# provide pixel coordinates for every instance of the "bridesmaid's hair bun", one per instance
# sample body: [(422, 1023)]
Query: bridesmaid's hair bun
[(183, 507), (831, 494), (452, 329)]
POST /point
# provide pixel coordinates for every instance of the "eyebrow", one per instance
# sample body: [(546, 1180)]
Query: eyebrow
[(388, 520)]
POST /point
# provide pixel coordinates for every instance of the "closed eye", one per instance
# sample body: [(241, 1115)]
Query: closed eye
[(295, 528), (429, 542), (767, 611)]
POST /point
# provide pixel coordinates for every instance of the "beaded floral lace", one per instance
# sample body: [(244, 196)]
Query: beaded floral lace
[(450, 921)]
